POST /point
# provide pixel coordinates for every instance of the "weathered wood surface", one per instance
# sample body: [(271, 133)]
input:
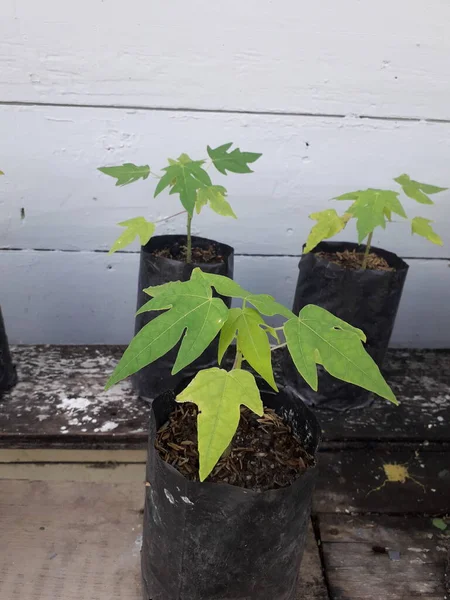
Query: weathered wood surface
[(356, 481), (358, 569), (60, 400), (421, 381), (73, 540)]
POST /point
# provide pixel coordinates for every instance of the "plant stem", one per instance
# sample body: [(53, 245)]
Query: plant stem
[(238, 360), (367, 251), (272, 348), (170, 217), (189, 240)]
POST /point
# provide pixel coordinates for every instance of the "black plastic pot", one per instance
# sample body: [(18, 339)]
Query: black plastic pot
[(156, 270), (209, 541), (8, 375), (366, 299)]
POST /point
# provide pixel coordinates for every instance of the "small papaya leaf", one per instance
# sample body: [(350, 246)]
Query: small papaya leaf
[(263, 303), (137, 227), (215, 195), (126, 173), (219, 395), (245, 324), (439, 524), (371, 208), (416, 190), (191, 313), (234, 161), (422, 227), (1, 173), (228, 332), (329, 223), (318, 337), (273, 332), (185, 177)]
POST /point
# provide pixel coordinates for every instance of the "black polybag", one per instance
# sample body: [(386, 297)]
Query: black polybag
[(8, 375), (156, 270), (210, 541), (367, 299)]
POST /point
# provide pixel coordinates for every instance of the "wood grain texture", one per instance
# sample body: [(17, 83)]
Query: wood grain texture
[(90, 297), (356, 572), (53, 155), (381, 60), (74, 540)]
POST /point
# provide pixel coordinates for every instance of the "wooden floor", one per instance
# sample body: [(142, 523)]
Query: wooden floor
[(72, 485)]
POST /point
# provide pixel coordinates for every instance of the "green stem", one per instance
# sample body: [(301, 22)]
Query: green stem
[(182, 212), (367, 251), (238, 359), (189, 240), (272, 348)]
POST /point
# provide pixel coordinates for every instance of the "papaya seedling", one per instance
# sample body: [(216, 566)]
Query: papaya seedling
[(373, 208), (195, 316), (190, 180)]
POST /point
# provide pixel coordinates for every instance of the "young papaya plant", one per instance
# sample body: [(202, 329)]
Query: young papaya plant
[(192, 313), (190, 180), (373, 208)]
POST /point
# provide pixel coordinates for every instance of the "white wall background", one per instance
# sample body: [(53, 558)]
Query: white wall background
[(336, 95)]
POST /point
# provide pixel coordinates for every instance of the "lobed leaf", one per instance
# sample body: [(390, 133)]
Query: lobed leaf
[(317, 337), (264, 303), (371, 208), (126, 173), (416, 190), (219, 395), (245, 324), (422, 227), (329, 223), (234, 161), (191, 313), (185, 177), (215, 195), (137, 227)]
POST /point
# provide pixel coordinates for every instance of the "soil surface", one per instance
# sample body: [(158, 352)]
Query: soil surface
[(353, 260), (264, 453), (211, 254)]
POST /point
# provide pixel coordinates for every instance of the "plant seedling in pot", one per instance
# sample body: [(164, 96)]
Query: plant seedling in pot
[(192, 314), (190, 180), (262, 443), (374, 208)]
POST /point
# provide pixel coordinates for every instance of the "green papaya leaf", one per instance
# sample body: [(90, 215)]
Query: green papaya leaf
[(318, 337), (245, 324), (439, 524), (219, 395), (137, 227), (185, 177), (422, 227), (126, 173), (1, 173), (416, 190), (191, 313), (329, 223), (215, 195), (264, 303), (234, 161), (371, 208)]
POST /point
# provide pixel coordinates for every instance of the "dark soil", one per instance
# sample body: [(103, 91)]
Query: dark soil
[(353, 260), (264, 453), (177, 251)]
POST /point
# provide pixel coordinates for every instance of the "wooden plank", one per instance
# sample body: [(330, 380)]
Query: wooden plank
[(355, 571), (69, 205), (82, 540), (278, 57), (421, 380), (355, 481), (60, 402), (90, 297)]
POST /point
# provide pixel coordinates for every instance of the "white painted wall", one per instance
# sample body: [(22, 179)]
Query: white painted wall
[(337, 96)]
